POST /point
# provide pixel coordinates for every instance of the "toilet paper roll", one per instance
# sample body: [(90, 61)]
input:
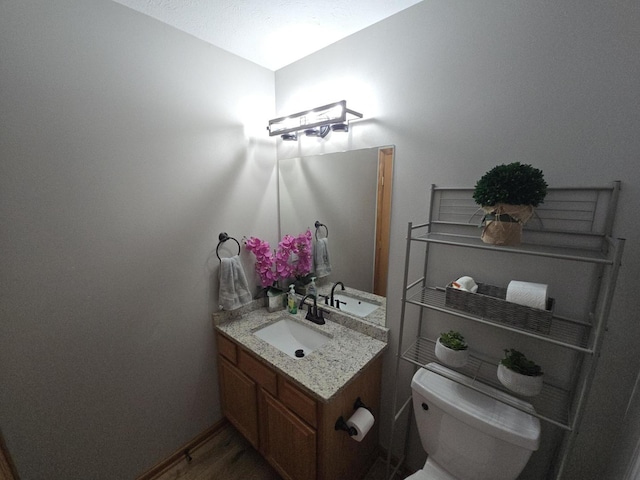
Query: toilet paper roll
[(529, 294), (362, 420)]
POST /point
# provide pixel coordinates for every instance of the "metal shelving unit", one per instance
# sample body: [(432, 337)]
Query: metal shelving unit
[(573, 225)]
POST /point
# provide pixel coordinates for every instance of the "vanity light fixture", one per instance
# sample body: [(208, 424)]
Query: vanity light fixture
[(317, 122), (290, 136)]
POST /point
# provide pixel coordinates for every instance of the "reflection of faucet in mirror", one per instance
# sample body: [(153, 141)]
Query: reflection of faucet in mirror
[(333, 289), (314, 313)]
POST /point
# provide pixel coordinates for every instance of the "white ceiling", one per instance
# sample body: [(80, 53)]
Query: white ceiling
[(271, 33)]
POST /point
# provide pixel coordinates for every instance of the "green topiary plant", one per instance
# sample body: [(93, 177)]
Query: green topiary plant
[(453, 340), (518, 362), (514, 184)]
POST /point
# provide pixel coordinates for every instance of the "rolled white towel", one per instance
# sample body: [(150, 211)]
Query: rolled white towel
[(466, 283)]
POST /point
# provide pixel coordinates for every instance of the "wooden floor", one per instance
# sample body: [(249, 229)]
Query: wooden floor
[(227, 455)]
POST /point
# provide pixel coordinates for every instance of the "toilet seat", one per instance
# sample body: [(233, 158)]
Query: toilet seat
[(431, 471)]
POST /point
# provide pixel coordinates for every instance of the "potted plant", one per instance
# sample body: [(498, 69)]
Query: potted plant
[(519, 374), (451, 349), (291, 259), (508, 194)]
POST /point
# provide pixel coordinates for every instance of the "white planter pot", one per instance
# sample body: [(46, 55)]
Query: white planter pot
[(522, 384), (451, 358)]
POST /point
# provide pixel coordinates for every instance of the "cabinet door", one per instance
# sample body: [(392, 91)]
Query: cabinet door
[(239, 400), (289, 444)]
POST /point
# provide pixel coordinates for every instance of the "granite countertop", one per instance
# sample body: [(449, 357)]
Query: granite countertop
[(324, 372)]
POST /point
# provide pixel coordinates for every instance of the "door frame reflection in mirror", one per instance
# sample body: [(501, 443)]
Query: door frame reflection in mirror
[(350, 192)]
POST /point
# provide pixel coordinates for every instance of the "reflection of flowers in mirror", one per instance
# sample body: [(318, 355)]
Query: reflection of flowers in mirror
[(292, 258)]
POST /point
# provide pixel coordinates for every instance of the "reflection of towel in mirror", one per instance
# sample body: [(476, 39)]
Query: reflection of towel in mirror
[(234, 289), (321, 258)]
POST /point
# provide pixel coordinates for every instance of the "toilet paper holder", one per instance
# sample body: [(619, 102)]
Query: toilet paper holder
[(341, 424)]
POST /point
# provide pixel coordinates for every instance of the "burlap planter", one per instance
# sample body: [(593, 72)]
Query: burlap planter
[(503, 223)]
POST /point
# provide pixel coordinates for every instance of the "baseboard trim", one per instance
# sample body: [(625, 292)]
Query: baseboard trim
[(7, 467), (158, 469)]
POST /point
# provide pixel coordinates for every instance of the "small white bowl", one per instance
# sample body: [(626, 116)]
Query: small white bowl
[(451, 358), (525, 385)]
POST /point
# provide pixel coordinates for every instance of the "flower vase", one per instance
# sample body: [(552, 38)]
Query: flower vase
[(276, 299)]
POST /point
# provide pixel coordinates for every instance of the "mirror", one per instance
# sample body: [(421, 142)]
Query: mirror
[(350, 193)]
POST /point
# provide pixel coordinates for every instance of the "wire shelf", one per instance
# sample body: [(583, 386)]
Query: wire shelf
[(564, 332), (587, 255), (552, 405)]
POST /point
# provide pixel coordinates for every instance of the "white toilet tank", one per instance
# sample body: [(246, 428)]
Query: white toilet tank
[(470, 435)]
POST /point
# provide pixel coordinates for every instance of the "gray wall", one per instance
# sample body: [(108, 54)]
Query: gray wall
[(461, 86), (126, 147), (625, 460)]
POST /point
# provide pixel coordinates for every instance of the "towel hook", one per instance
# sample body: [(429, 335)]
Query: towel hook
[(318, 225), (223, 237)]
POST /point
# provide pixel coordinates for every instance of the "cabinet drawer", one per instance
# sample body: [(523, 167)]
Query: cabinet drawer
[(298, 401), (259, 372), (227, 348)]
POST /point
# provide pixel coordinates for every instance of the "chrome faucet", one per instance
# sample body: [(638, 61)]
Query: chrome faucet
[(314, 314), (333, 304)]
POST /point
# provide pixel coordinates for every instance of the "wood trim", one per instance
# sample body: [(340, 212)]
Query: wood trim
[(7, 467), (383, 220), (157, 470)]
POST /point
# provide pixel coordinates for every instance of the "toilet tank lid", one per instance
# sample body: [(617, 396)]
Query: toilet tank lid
[(476, 409)]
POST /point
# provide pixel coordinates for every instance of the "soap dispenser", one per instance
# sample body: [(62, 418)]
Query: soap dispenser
[(292, 303), (311, 289)]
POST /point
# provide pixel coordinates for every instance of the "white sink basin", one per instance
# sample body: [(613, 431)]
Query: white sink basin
[(354, 305), (290, 336)]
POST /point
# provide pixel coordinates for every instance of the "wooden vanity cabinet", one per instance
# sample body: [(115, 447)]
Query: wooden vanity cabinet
[(288, 443), (238, 397), (291, 429)]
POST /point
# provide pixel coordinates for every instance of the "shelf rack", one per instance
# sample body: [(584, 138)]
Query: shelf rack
[(573, 225)]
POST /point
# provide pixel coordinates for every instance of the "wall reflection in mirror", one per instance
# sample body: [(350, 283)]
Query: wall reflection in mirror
[(346, 192)]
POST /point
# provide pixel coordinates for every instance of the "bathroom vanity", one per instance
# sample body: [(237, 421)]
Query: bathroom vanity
[(287, 407)]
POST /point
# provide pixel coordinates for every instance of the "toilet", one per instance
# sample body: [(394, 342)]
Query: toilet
[(466, 434)]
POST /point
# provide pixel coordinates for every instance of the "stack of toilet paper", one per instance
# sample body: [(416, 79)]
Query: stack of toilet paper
[(528, 294)]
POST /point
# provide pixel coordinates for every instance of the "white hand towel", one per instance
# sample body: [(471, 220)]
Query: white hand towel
[(321, 258), (234, 289)]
